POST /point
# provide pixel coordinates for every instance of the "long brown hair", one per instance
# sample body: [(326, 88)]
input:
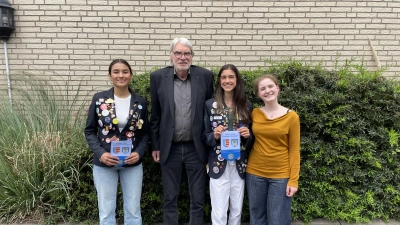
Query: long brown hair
[(240, 107)]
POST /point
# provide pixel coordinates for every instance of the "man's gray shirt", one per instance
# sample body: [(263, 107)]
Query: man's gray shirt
[(182, 100)]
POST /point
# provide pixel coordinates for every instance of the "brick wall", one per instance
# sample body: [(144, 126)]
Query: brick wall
[(75, 40)]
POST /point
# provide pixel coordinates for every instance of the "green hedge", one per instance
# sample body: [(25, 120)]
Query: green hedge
[(350, 154)]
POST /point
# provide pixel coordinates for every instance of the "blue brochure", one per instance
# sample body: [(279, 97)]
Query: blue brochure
[(121, 149), (230, 145)]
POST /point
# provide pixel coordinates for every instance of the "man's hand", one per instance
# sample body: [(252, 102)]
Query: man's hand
[(156, 155)]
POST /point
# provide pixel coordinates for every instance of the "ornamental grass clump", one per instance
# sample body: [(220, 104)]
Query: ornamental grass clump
[(42, 150)]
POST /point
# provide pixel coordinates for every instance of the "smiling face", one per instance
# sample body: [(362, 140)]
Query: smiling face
[(228, 80), (268, 90), (178, 58), (120, 75)]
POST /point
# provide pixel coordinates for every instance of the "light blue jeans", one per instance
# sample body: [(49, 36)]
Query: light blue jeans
[(268, 202), (106, 183)]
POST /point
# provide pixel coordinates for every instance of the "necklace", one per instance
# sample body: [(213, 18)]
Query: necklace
[(271, 114)]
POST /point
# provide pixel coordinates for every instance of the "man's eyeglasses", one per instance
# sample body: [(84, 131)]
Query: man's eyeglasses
[(179, 54)]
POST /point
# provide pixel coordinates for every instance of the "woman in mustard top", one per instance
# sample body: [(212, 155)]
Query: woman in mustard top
[(274, 163)]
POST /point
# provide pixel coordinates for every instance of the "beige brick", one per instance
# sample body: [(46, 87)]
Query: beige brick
[(65, 7), (20, 51), (91, 18), (100, 8), (25, 35), (50, 7), (59, 33), (386, 15), (154, 3), (50, 18), (361, 9), (61, 41), (50, 56), (171, 14), (175, 9), (372, 15), (254, 15), (382, 10), (216, 9), (234, 20), (63, 51), (394, 21), (21, 3), (28, 18), (56, 46), (338, 42), (32, 29), (33, 13), (129, 9), (71, 18), (107, 13), (150, 14), (393, 27), (154, 20), (75, 2), (242, 9), (320, 9), (75, 13), (81, 8), (190, 25), (388, 43), (207, 14), (139, 25), (43, 62), (393, 5), (301, 47), (15, 62), (71, 30), (347, 4), (369, 31), (345, 26), (14, 67), (24, 24), (36, 46), (216, 20), (38, 67)]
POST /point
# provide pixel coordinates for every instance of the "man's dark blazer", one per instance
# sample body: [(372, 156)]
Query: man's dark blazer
[(217, 164), (101, 129), (163, 108)]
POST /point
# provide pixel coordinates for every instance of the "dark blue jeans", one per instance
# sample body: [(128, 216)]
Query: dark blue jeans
[(179, 155), (268, 202)]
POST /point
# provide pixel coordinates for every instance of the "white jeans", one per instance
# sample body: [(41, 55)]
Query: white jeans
[(227, 191), (106, 183)]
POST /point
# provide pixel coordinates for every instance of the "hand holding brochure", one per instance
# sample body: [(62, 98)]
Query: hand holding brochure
[(121, 149), (230, 145)]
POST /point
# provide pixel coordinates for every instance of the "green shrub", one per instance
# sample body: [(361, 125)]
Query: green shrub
[(350, 155), (350, 124)]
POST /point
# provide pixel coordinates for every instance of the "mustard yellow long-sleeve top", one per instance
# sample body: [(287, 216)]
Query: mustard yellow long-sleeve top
[(276, 150)]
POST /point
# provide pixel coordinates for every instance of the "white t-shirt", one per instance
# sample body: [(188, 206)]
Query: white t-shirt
[(122, 106)]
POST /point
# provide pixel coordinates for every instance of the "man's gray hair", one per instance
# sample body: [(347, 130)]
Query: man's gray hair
[(183, 41)]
